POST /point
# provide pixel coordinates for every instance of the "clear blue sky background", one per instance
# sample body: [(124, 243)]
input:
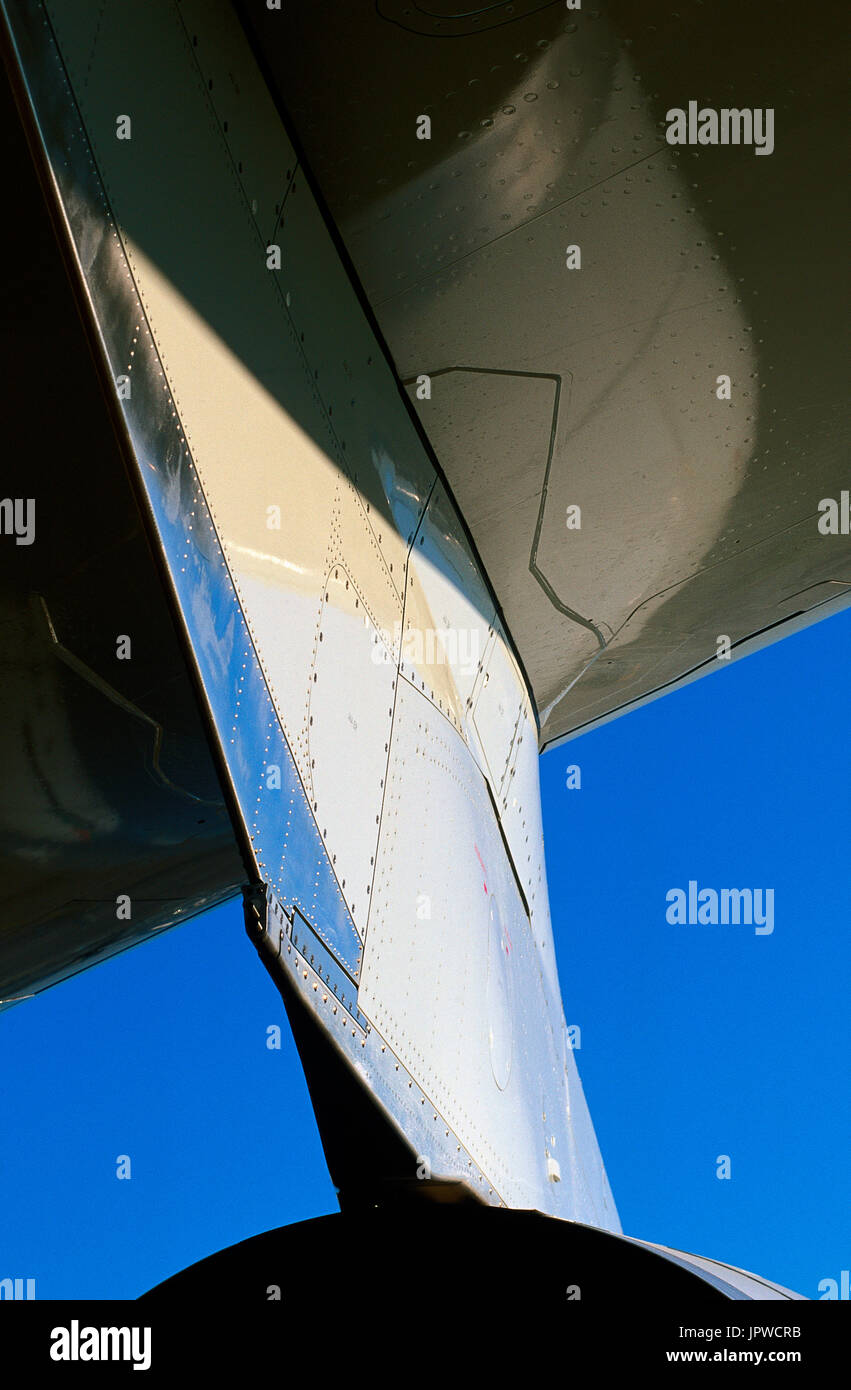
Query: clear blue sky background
[(696, 1041)]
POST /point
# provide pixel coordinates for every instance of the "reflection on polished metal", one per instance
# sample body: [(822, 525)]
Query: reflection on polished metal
[(384, 805), (377, 607), (699, 513)]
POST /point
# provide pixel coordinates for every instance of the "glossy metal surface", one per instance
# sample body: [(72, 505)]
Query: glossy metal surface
[(597, 387), (108, 789), (370, 716)]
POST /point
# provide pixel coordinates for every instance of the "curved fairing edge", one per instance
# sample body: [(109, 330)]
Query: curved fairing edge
[(376, 732)]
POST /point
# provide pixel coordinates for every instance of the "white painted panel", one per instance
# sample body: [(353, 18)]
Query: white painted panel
[(520, 813), (448, 939), (449, 615), (351, 708), (498, 712)]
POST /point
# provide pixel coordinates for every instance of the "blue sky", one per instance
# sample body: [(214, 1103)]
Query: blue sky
[(697, 1041)]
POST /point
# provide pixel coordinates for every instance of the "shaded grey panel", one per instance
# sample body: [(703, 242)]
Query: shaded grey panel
[(699, 515), (109, 787)]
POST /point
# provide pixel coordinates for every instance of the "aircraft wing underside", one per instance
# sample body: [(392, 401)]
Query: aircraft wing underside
[(635, 350), (396, 430)]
